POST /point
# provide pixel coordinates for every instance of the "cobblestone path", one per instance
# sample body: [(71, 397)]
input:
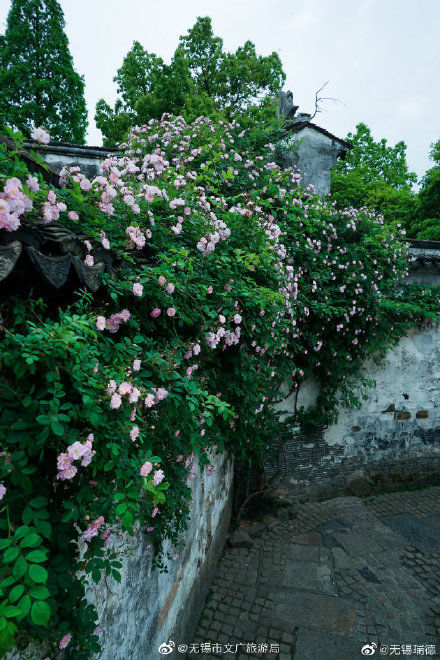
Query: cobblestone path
[(339, 575)]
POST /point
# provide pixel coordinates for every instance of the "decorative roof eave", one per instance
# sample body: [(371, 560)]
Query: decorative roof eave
[(49, 256)]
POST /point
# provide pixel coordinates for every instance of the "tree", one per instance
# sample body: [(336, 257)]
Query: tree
[(426, 223), (375, 174), (429, 194), (39, 84), (201, 79)]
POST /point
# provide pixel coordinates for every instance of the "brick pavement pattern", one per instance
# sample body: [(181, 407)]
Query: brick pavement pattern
[(341, 574)]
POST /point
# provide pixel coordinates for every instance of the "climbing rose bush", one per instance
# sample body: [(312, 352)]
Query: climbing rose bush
[(230, 281)]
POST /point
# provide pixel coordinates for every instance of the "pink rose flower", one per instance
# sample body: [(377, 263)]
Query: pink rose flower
[(161, 393), (39, 134), (115, 401), (85, 184), (100, 322), (146, 469), (155, 313), (149, 400), (171, 311), (137, 289), (158, 477), (2, 491), (32, 183), (65, 641)]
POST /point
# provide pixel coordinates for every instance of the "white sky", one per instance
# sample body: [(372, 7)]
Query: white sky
[(381, 57)]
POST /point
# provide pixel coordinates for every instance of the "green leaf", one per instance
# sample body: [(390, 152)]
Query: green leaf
[(4, 543), (121, 508), (28, 515), (96, 575), (16, 593), (40, 613), (37, 573), (10, 554), (127, 520), (24, 605), (36, 556), (7, 582), (20, 532), (38, 502), (40, 592), (57, 428), (44, 528), (11, 610), (116, 575), (19, 568), (30, 540)]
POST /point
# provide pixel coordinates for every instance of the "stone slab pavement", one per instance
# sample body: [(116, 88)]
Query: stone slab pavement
[(342, 575)]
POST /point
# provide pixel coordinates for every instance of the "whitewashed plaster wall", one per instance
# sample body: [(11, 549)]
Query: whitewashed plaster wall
[(397, 425), (149, 608)]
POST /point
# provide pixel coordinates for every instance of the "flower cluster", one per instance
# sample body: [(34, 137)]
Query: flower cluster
[(75, 452), (39, 134), (93, 529), (113, 323), (14, 202)]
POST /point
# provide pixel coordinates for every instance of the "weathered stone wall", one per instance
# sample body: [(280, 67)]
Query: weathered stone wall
[(393, 439), (314, 153), (149, 608)]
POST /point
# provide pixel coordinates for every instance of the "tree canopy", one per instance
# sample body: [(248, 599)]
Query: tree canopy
[(201, 79), (427, 222), (375, 174), (39, 84)]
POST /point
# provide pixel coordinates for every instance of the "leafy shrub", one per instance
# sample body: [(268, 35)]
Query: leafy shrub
[(230, 280)]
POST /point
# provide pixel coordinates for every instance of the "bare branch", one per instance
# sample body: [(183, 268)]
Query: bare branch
[(320, 99)]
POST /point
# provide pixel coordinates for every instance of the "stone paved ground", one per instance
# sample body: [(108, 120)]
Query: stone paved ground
[(341, 574)]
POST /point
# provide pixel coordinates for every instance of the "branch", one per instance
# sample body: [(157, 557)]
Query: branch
[(320, 99)]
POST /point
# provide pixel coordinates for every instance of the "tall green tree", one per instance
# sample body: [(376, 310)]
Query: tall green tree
[(429, 194), (426, 224), (201, 79), (39, 85), (375, 174)]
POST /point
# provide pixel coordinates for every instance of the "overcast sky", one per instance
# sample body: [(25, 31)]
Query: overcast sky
[(381, 57)]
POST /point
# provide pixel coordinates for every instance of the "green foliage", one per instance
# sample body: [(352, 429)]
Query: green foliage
[(201, 80), (39, 84), (426, 224), (242, 282), (375, 175)]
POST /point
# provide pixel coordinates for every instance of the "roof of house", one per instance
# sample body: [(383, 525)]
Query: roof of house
[(425, 255), (295, 127), (69, 149)]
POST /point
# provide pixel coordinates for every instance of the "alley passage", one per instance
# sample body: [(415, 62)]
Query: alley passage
[(342, 574)]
